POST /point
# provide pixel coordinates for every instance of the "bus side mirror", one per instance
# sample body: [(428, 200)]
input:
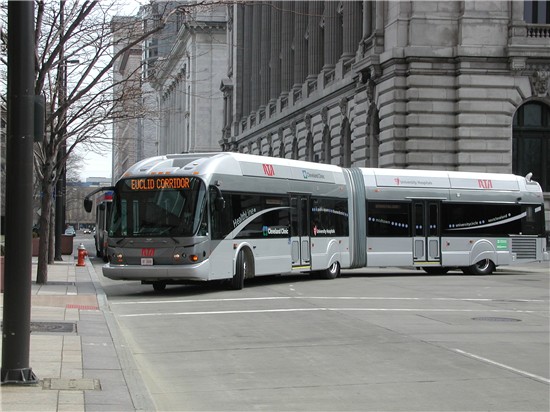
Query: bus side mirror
[(88, 204), (219, 202)]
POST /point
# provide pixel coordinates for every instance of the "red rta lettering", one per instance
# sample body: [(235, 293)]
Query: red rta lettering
[(269, 170), (485, 183)]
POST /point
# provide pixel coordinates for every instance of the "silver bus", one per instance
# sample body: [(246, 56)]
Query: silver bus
[(232, 216)]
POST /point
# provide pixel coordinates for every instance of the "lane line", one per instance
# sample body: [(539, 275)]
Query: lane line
[(232, 312), (510, 368), (146, 302)]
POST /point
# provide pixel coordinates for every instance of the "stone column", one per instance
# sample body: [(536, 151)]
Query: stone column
[(247, 58), (314, 39), (300, 44), (367, 18), (275, 61), (333, 34), (265, 53), (287, 33), (256, 49), (352, 28), (238, 26)]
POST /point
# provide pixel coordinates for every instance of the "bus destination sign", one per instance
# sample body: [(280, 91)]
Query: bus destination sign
[(159, 183)]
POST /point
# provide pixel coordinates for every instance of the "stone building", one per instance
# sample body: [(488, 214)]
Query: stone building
[(186, 79), (127, 141), (455, 85)]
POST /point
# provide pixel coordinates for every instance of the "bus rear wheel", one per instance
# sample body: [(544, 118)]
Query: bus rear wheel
[(483, 267), (332, 272)]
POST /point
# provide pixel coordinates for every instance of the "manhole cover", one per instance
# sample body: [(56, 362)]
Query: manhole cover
[(71, 384), (53, 327), (496, 319)]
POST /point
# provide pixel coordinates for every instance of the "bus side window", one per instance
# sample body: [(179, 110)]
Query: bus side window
[(533, 224)]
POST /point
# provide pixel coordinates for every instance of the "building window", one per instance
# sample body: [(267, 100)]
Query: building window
[(346, 144), (327, 146), (531, 142), (536, 11)]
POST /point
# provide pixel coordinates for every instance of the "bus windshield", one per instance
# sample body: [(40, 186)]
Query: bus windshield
[(158, 206)]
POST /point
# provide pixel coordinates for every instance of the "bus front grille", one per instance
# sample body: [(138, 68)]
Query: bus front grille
[(524, 247)]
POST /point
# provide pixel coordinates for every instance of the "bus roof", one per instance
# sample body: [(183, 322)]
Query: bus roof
[(231, 163)]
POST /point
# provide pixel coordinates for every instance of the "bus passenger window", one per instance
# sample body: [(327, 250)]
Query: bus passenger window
[(388, 219)]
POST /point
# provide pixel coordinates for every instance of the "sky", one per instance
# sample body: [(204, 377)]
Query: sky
[(96, 165)]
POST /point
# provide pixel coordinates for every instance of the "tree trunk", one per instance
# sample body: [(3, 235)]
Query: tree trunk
[(45, 214), (51, 240)]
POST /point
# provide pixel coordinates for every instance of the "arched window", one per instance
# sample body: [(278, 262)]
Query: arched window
[(327, 146), (531, 142), (295, 148), (345, 149), (309, 147)]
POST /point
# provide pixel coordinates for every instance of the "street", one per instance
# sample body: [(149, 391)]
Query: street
[(373, 339)]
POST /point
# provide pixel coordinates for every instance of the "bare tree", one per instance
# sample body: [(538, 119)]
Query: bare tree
[(75, 55), (77, 48)]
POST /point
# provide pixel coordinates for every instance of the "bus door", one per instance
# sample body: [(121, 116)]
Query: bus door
[(426, 232), (299, 236)]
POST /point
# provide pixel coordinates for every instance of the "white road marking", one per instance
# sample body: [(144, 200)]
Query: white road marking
[(145, 302), (231, 312), (510, 368)]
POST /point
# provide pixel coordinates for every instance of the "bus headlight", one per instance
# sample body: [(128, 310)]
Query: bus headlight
[(119, 258), (193, 258)]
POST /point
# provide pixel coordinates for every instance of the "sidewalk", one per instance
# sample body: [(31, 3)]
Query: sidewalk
[(77, 351)]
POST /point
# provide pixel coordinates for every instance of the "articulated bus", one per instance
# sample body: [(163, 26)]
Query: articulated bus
[(233, 216)]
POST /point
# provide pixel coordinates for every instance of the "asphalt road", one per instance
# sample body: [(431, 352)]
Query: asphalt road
[(383, 339)]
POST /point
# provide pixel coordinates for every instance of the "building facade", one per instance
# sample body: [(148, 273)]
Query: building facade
[(127, 96), (461, 85), (187, 77)]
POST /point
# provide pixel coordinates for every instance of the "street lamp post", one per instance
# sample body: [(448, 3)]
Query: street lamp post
[(61, 185)]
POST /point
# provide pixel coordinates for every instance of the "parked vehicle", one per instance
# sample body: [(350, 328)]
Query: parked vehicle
[(70, 231)]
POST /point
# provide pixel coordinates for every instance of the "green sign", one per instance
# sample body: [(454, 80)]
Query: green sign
[(502, 244)]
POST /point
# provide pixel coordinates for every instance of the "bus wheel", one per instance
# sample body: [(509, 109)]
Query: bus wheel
[(332, 272), (241, 270), (483, 267), (159, 286), (430, 270)]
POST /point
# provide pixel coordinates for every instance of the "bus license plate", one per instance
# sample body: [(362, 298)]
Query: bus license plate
[(146, 261)]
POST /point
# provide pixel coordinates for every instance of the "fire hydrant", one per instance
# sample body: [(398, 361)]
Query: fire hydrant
[(81, 255)]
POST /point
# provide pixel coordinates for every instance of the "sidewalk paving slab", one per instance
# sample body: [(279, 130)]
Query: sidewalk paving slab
[(73, 352)]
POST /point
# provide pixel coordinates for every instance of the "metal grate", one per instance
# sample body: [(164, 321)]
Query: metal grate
[(524, 247)]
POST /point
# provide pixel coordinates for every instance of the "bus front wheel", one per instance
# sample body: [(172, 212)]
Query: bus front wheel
[(332, 272), (159, 286), (483, 267), (241, 271)]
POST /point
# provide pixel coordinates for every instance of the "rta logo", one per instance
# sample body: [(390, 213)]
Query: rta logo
[(147, 252), (397, 181), (485, 183), (269, 170)]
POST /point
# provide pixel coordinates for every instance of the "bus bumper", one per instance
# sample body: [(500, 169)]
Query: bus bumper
[(199, 271)]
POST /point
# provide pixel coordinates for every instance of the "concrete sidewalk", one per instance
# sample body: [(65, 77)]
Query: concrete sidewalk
[(77, 351)]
